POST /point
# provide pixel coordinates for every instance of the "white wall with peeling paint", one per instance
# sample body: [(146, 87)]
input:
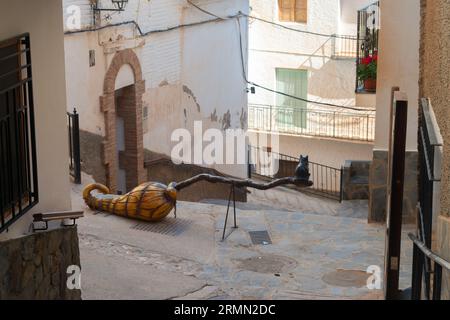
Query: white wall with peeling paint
[(192, 73)]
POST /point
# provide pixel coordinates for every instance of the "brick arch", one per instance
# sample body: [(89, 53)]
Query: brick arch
[(131, 111), (120, 59)]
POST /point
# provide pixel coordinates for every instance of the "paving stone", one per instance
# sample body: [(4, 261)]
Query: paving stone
[(333, 237)]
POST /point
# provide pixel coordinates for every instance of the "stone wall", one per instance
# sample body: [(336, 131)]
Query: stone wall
[(34, 267), (378, 187), (91, 156), (435, 77), (355, 184), (162, 169), (435, 84)]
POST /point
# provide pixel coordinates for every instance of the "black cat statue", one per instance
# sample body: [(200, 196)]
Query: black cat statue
[(302, 171)]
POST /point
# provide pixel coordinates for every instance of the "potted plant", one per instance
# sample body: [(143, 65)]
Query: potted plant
[(367, 72)]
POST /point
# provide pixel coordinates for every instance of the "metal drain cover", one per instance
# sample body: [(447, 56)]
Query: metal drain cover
[(260, 237), (270, 264), (170, 226)]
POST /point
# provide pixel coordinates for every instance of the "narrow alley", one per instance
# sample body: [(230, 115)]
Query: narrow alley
[(320, 251), (246, 151)]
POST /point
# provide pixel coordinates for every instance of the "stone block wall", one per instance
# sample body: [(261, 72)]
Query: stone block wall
[(162, 169), (434, 84), (35, 266), (378, 187), (91, 146), (355, 184)]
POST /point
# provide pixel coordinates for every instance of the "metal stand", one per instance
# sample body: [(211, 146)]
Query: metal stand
[(232, 194)]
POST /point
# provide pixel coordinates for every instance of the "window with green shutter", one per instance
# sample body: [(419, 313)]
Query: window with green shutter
[(291, 112)]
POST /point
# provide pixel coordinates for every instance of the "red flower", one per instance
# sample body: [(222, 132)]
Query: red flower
[(375, 58), (367, 60)]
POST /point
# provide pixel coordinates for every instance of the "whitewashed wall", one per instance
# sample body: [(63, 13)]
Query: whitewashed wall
[(44, 23), (398, 66), (329, 80), (273, 47), (191, 73)]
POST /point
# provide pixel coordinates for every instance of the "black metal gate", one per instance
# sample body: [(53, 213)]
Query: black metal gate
[(18, 161), (74, 146), (368, 35), (427, 266), (396, 180)]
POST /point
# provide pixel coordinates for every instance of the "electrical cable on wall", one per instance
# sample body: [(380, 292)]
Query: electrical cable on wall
[(272, 23), (299, 31), (244, 74), (217, 19)]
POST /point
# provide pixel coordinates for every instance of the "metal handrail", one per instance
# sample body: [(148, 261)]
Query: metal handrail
[(426, 107), (334, 124), (361, 113), (427, 265), (430, 254), (326, 179)]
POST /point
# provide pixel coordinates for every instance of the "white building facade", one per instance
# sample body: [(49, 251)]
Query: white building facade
[(34, 154), (137, 75), (307, 49)]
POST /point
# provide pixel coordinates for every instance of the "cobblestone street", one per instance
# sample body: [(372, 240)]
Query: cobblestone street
[(320, 251)]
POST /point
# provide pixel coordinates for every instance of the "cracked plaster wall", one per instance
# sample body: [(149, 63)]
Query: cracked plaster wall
[(191, 74)]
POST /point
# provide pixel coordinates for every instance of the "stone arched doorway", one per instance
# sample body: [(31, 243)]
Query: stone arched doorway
[(124, 104)]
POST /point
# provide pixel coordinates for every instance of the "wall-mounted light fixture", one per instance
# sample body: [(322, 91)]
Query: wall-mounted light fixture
[(119, 5)]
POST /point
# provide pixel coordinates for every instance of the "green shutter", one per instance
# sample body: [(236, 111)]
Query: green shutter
[(293, 111)]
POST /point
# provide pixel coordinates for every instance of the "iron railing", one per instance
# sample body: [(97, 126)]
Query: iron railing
[(74, 145), (18, 166), (368, 35), (271, 165), (318, 123), (427, 266), (344, 47)]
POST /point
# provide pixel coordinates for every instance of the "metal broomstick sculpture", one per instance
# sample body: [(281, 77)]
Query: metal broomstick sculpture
[(153, 201)]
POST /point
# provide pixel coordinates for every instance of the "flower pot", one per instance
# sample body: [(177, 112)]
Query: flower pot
[(370, 85)]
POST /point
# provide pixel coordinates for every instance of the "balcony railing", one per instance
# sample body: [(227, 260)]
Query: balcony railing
[(368, 35), (317, 123), (344, 47), (18, 166)]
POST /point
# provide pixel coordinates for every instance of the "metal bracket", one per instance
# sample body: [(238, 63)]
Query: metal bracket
[(74, 223), (41, 229)]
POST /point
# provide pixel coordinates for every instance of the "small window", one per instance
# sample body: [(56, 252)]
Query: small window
[(293, 10)]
